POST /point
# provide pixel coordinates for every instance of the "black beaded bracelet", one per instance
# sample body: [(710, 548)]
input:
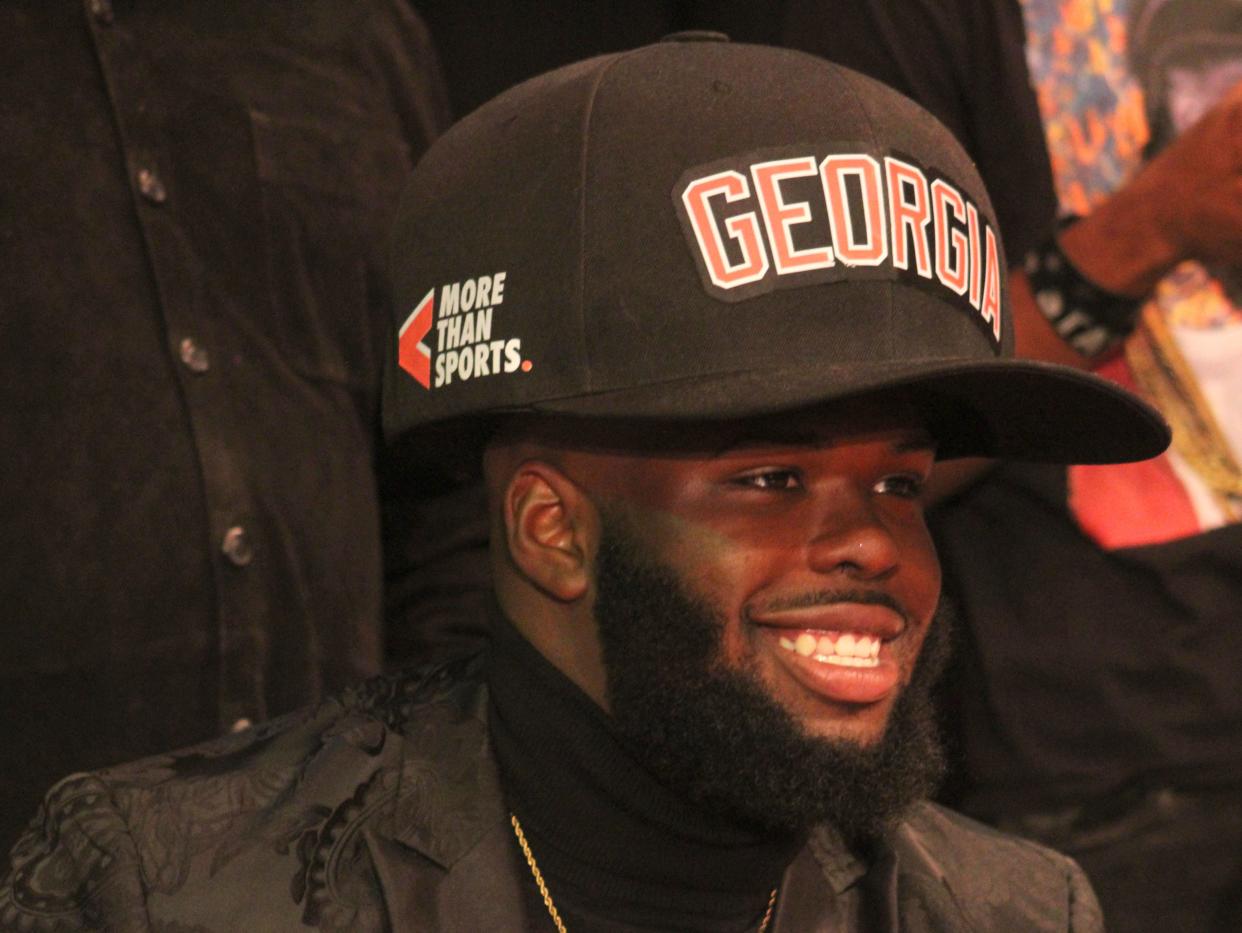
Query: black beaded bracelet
[(1089, 318)]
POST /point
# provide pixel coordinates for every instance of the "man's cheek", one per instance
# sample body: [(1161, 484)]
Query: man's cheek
[(707, 561), (921, 570), (916, 642)]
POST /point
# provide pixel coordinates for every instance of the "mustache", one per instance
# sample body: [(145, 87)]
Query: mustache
[(830, 597)]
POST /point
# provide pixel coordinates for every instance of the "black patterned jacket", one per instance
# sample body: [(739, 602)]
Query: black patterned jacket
[(381, 810)]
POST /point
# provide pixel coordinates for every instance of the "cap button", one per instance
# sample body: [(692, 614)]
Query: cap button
[(696, 35)]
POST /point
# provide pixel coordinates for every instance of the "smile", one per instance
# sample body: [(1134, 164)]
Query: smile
[(840, 651), (846, 649)]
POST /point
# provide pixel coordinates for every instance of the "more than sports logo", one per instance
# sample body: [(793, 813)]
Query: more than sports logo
[(462, 347), (799, 217)]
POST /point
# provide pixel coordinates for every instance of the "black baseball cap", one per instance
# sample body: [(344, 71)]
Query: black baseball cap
[(700, 230)]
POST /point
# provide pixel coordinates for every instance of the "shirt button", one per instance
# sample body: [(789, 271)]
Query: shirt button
[(101, 10), (237, 547), (194, 356), (150, 186), (241, 725)]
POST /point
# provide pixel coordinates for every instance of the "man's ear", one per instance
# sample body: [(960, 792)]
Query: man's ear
[(550, 527)]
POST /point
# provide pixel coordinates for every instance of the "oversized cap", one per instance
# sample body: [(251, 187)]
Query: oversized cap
[(706, 230)]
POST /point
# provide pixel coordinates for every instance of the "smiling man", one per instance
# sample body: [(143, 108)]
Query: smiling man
[(702, 317), (747, 601)]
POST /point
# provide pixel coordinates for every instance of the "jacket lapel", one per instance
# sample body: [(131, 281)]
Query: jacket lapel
[(480, 892), (829, 888), (805, 904), (924, 898), (442, 851)]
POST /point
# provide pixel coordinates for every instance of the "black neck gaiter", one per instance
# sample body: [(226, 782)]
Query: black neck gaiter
[(610, 840)]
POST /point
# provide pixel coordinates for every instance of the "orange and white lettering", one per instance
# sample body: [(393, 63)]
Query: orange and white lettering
[(991, 309), (907, 213), (779, 215), (952, 245), (835, 170), (976, 255), (743, 228)]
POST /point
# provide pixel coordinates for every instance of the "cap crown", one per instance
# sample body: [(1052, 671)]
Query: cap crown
[(564, 203), (707, 230)]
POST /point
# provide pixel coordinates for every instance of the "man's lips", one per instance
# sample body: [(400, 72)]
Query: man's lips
[(837, 650), (870, 618)]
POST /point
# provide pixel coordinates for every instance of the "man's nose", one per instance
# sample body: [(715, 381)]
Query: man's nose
[(850, 536)]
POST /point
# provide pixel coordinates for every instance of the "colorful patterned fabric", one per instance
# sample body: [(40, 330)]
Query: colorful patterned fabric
[(1098, 125), (1091, 106)]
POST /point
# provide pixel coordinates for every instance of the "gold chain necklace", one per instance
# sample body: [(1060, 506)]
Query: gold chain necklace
[(1162, 372), (547, 896)]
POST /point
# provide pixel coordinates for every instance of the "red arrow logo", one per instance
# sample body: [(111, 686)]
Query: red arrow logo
[(414, 355)]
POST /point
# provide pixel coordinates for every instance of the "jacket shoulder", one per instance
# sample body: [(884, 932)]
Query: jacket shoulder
[(996, 880), (262, 812)]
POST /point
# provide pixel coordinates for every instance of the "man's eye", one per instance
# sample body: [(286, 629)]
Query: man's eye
[(771, 479), (902, 485)]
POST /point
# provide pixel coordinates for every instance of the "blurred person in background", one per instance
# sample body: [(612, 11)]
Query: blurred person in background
[(194, 199)]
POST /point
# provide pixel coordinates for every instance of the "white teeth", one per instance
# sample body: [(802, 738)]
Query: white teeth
[(847, 651), (852, 662), (867, 647)]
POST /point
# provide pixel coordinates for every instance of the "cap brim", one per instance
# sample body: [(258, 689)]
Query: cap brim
[(1016, 409)]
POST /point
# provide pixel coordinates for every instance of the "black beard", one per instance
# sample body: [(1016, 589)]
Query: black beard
[(713, 734)]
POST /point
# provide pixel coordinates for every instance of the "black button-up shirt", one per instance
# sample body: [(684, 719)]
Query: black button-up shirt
[(194, 200)]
